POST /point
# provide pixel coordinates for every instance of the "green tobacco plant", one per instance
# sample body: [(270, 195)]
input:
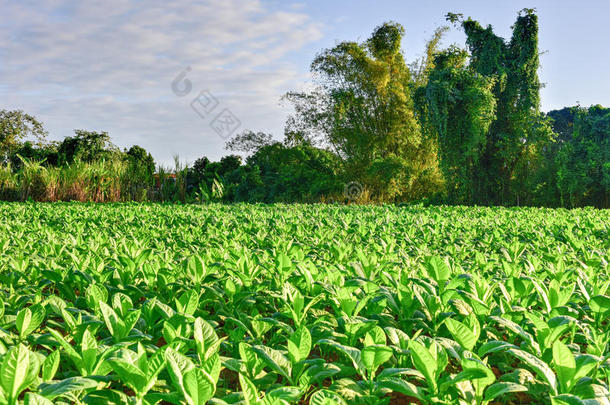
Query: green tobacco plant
[(137, 370), (18, 371), (217, 304)]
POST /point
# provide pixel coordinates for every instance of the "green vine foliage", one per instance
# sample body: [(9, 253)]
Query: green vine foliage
[(458, 105), (583, 163), (486, 113)]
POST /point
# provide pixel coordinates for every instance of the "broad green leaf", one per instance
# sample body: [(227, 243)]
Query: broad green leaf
[(585, 363), (470, 374), (276, 360), (198, 386), (286, 393), (375, 356), (204, 334), (541, 368), (326, 397), (299, 344), (111, 319), (567, 399), (600, 303), (248, 390), (317, 373), (461, 333), (512, 326), (68, 385), (493, 346), (14, 371), (177, 366), (424, 362), (479, 382), (29, 319), (96, 294), (543, 294), (498, 389), (187, 303), (375, 336), (50, 365), (32, 398), (404, 387), (106, 397), (129, 373), (129, 322), (73, 354), (438, 269), (565, 364), (352, 353)]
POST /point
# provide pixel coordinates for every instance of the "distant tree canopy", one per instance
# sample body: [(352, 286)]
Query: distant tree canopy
[(291, 174), (141, 162), (583, 162), (456, 126), (88, 146), (15, 127), (46, 153)]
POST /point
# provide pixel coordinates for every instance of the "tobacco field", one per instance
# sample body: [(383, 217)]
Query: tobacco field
[(303, 304)]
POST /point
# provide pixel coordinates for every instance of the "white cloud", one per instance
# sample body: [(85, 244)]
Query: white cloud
[(109, 65)]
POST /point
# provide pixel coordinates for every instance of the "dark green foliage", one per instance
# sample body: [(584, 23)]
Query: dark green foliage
[(196, 173), (15, 126), (45, 153), (290, 174), (563, 122), (486, 114), (457, 107), (519, 130), (274, 172), (142, 160), (141, 168), (88, 146), (583, 162)]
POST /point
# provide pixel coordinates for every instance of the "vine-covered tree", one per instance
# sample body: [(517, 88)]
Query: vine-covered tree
[(457, 107), (507, 148), (519, 130)]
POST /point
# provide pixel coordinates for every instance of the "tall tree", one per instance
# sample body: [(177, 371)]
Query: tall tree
[(363, 110), (88, 146), (502, 148), (457, 107), (519, 129), (141, 161), (15, 127)]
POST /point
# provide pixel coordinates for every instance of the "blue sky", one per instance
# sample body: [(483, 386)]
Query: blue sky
[(110, 65)]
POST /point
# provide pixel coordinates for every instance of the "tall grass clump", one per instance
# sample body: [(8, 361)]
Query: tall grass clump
[(110, 180), (8, 183)]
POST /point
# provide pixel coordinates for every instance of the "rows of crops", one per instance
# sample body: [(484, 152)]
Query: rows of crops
[(282, 304)]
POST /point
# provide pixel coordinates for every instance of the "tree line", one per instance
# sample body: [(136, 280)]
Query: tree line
[(457, 126)]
